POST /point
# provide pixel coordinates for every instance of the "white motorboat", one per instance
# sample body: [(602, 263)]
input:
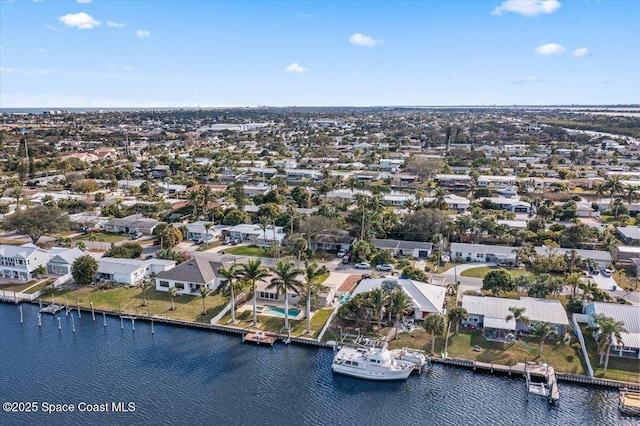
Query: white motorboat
[(371, 361), (412, 355)]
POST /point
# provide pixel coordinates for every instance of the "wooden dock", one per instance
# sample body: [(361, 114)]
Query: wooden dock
[(51, 309), (629, 402), (259, 337)]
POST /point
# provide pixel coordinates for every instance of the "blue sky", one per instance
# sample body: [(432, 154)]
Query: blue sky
[(117, 53)]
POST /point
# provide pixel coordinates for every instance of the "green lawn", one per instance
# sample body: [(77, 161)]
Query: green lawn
[(566, 359), (102, 237), (274, 324), (18, 287), (211, 245), (254, 251), (481, 271), (40, 286), (627, 370), (129, 300)]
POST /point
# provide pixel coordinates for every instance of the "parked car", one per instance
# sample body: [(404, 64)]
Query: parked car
[(384, 267), (362, 265), (595, 272), (149, 256), (341, 253), (606, 272), (346, 258)]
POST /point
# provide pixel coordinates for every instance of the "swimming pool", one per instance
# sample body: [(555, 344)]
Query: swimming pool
[(275, 311)]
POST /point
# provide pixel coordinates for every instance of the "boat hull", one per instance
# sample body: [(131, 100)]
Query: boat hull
[(402, 374)]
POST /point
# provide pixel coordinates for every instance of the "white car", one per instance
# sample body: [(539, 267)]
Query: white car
[(341, 253), (384, 267), (362, 265)]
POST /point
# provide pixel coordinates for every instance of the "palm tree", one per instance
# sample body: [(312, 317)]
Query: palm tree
[(588, 288), (399, 305), (145, 285), (377, 299), (434, 325), (573, 259), (207, 227), (630, 193), (542, 330), (600, 189), (204, 291), (440, 201), (616, 204), (573, 280), (252, 272), (517, 314), (173, 292), (456, 315), (206, 195), (230, 274), (285, 280), (613, 185), (311, 274), (194, 200), (609, 333), (610, 244)]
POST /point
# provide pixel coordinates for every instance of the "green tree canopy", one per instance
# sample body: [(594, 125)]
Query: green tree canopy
[(37, 221), (84, 269), (498, 281)]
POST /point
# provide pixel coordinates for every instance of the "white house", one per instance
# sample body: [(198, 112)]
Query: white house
[(415, 249), (189, 276), (131, 224), (19, 262), (198, 231), (491, 313), (61, 259), (130, 271), (630, 316), (425, 298), (463, 252), (255, 234), (601, 258)]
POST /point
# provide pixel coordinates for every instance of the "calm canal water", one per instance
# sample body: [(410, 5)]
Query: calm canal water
[(183, 376)]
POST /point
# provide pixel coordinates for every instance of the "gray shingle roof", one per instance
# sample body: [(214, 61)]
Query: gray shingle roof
[(196, 270)]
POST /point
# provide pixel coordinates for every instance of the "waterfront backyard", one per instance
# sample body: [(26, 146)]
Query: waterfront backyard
[(274, 324), (129, 300)]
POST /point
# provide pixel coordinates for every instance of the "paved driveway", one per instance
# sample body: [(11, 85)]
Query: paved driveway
[(604, 283)]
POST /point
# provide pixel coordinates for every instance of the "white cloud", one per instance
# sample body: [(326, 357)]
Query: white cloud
[(143, 33), (527, 7), (295, 68), (304, 15), (4, 69), (83, 1), (363, 40), (82, 21), (549, 49), (120, 67), (356, 73), (112, 24), (580, 52)]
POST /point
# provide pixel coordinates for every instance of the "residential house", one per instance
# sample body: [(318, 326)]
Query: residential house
[(197, 231), (426, 299), (464, 252), (61, 259), (333, 243), (601, 258), (132, 224), (415, 249), (454, 182), (630, 235), (130, 271), (630, 316), (496, 182), (272, 235), (490, 314), (19, 262), (190, 276)]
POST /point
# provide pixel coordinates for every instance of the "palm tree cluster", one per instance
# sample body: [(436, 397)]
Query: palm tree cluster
[(286, 278), (373, 305), (608, 332)]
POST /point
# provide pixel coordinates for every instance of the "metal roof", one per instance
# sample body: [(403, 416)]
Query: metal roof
[(541, 310)]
